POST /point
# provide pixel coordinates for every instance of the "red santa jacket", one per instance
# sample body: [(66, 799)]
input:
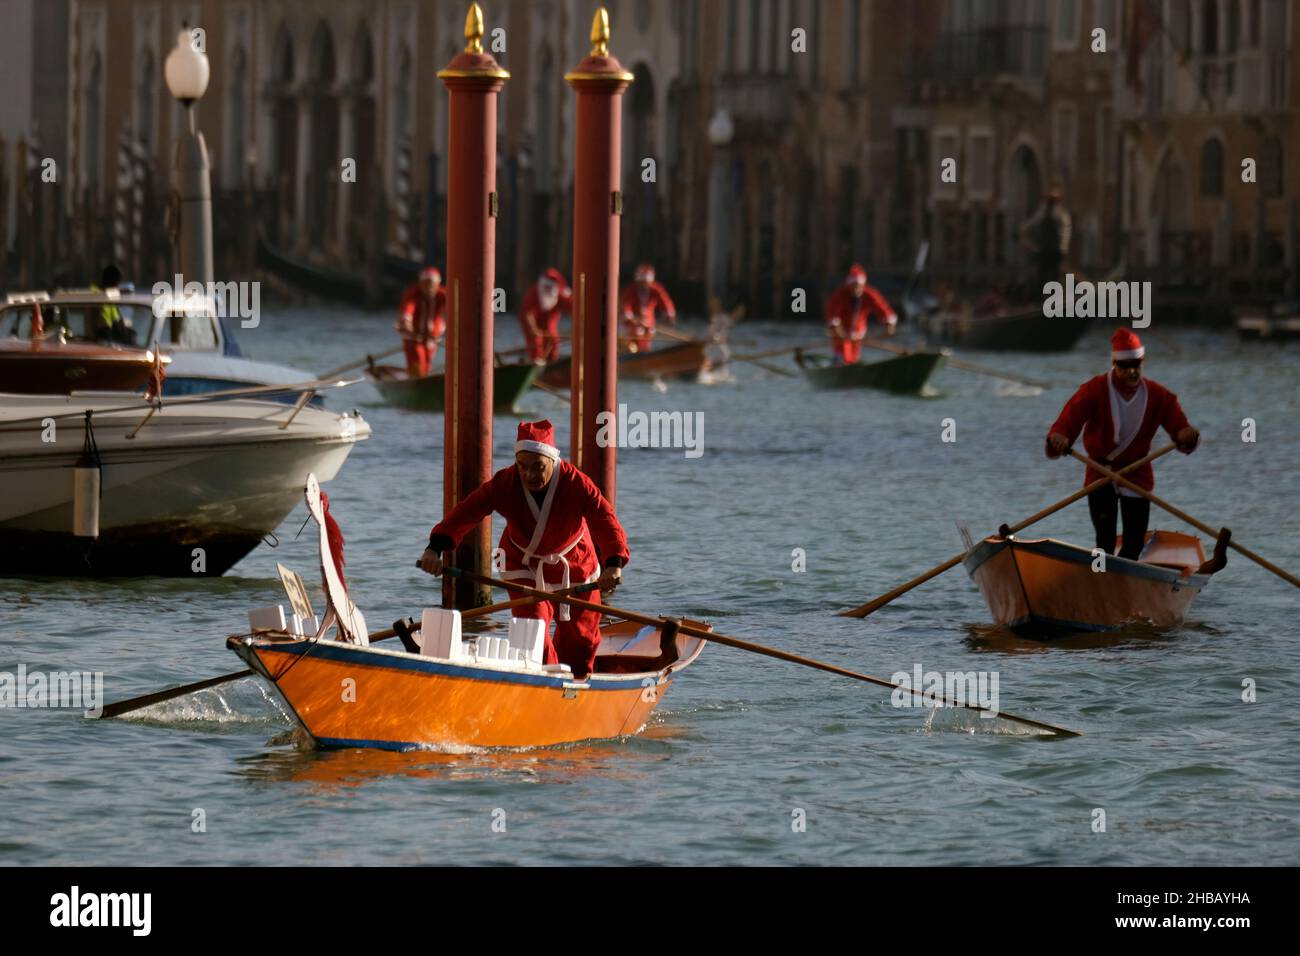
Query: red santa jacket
[(561, 542), (418, 320), (851, 314), (1089, 409), (642, 305), (543, 317)]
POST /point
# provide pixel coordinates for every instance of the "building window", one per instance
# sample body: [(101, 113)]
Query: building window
[(1065, 140), (1270, 167), (1212, 168), (979, 173), (1066, 34), (1106, 158), (1210, 28), (1103, 15)]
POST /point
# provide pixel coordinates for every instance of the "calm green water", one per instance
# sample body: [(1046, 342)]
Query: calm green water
[(1185, 771)]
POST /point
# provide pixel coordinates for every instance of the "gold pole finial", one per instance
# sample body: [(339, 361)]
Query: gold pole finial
[(600, 33), (474, 29)]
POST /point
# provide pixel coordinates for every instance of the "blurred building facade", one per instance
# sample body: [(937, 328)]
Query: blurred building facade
[(840, 114)]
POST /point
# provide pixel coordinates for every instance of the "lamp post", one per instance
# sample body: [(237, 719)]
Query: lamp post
[(721, 130), (186, 72)]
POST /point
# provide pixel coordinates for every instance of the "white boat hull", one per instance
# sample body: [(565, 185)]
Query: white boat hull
[(197, 488)]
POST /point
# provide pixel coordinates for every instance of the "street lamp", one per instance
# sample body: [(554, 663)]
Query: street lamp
[(186, 71), (721, 131)]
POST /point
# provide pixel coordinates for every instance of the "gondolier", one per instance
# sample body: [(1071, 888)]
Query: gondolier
[(639, 305), (422, 321), (1118, 413), (847, 313), (544, 303), (560, 531)]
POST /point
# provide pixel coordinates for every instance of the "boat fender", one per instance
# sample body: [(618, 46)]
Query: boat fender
[(86, 487)]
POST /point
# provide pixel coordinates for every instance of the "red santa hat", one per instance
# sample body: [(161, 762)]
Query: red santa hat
[(555, 275), (1125, 344), (645, 272), (857, 275), (429, 272), (537, 437)]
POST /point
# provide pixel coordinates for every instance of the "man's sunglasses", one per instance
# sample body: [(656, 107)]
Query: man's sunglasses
[(1128, 363)]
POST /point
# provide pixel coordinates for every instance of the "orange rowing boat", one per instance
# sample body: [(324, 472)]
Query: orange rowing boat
[(1044, 588), (447, 692)]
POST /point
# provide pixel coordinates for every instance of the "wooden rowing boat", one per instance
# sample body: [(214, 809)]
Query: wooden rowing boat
[(345, 692), (427, 394), (405, 701), (902, 375), (1024, 330), (685, 360), (1043, 588)]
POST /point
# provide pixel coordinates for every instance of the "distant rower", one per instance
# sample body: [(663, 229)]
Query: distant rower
[(544, 303), (560, 531), (422, 321), (847, 313), (1119, 412), (640, 303)]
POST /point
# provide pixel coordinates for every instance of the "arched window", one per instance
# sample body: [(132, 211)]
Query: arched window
[(1212, 168)]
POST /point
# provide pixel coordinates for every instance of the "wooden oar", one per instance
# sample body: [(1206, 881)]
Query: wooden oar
[(368, 360), (1184, 516), (876, 604), (550, 390), (958, 363), (136, 703), (743, 645)]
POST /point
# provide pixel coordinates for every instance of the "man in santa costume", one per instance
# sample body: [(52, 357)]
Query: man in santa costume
[(640, 303), (548, 298), (422, 321), (1119, 412), (847, 313), (560, 532)]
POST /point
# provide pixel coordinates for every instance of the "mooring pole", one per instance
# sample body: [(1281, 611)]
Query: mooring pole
[(473, 79), (599, 82)]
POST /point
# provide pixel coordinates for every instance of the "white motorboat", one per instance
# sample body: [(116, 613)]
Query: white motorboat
[(186, 488)]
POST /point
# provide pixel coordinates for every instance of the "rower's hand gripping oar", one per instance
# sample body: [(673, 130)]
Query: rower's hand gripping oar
[(877, 603), (739, 644), (408, 626), (1221, 534)]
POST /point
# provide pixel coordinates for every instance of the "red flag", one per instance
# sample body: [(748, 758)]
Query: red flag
[(1143, 27), (333, 534)]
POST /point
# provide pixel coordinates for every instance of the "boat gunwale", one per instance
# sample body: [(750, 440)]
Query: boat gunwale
[(481, 671)]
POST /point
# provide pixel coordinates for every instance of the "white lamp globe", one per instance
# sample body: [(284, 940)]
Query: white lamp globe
[(721, 128), (186, 70)]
